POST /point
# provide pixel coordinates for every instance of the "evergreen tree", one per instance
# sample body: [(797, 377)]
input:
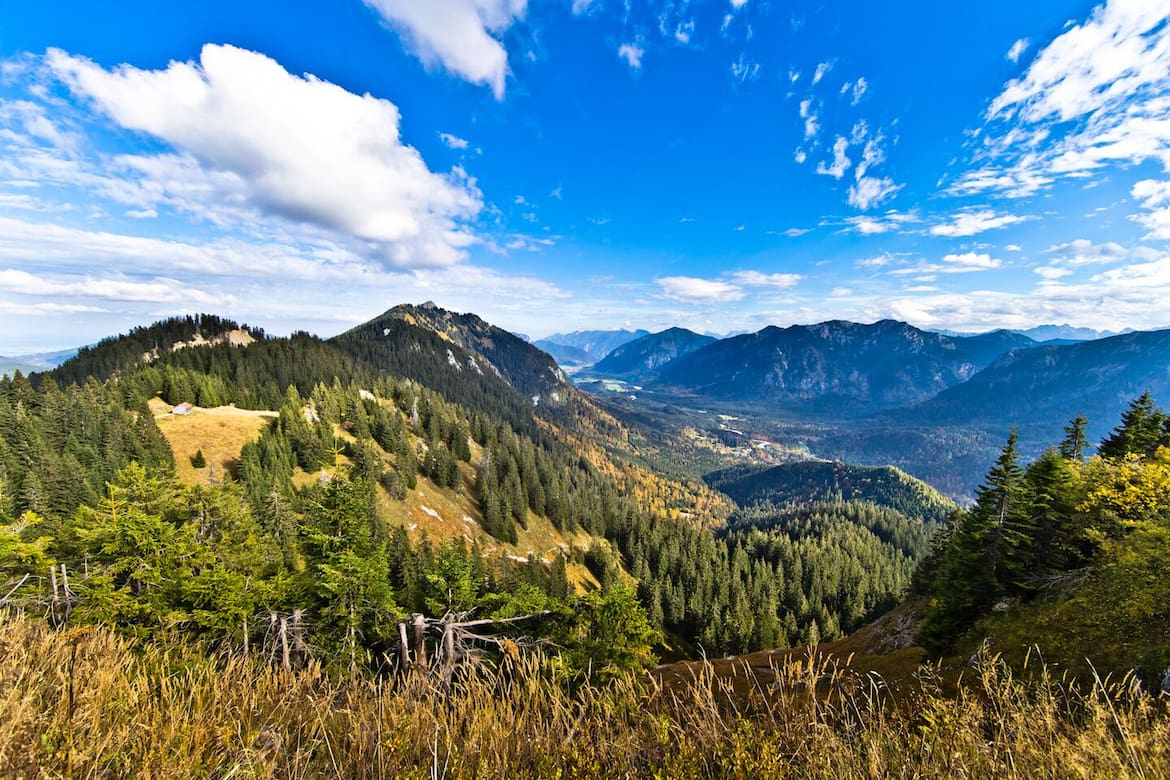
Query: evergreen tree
[(1075, 441), (1142, 430)]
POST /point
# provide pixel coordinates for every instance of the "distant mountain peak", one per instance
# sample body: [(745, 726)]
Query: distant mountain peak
[(527, 369), (642, 358)]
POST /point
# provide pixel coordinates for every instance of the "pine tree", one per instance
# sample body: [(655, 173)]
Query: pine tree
[(1142, 430), (1075, 442)]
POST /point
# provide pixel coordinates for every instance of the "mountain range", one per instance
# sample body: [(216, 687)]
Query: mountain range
[(586, 347), (837, 367), (40, 361), (641, 359)]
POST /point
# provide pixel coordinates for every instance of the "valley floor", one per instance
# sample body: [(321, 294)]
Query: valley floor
[(82, 703)]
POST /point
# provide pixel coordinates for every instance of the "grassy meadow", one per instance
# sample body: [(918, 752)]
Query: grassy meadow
[(84, 703)]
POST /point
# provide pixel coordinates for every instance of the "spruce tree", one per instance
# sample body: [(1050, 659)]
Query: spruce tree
[(1142, 430), (1075, 442)]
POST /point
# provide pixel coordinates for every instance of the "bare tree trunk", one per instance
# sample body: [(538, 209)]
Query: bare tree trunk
[(272, 628), (448, 648), (67, 593), (298, 636), (403, 647), (284, 659), (53, 617), (420, 640)]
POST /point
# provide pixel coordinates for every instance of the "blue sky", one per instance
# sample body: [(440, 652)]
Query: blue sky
[(566, 164)]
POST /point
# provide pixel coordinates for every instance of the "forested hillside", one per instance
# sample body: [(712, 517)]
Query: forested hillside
[(845, 368), (1067, 553), (299, 524)]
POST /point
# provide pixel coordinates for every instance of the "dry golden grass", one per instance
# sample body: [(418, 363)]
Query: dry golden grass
[(220, 432), (85, 704)]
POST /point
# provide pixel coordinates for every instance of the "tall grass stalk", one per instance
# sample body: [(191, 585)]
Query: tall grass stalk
[(87, 704)]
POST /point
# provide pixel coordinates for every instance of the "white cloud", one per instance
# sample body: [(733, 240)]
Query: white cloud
[(880, 261), (1017, 49), (453, 141), (973, 222), (967, 262), (689, 289), (1050, 272), (1120, 49), (157, 290), (1154, 196), (870, 191), (855, 89), (742, 70), (142, 213), (821, 71), (760, 279), (1082, 251), (840, 162), (972, 261), (876, 224), (47, 309), (809, 115), (841, 292), (871, 155), (683, 31), (47, 245), (462, 35), (582, 6), (632, 54), (1097, 95), (254, 140), (799, 156)]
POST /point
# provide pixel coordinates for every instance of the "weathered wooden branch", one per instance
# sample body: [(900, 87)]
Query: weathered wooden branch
[(454, 639)]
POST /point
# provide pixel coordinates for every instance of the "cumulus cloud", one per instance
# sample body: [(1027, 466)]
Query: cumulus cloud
[(973, 222), (689, 289), (460, 35), (1154, 196), (252, 139), (867, 191), (632, 53)]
